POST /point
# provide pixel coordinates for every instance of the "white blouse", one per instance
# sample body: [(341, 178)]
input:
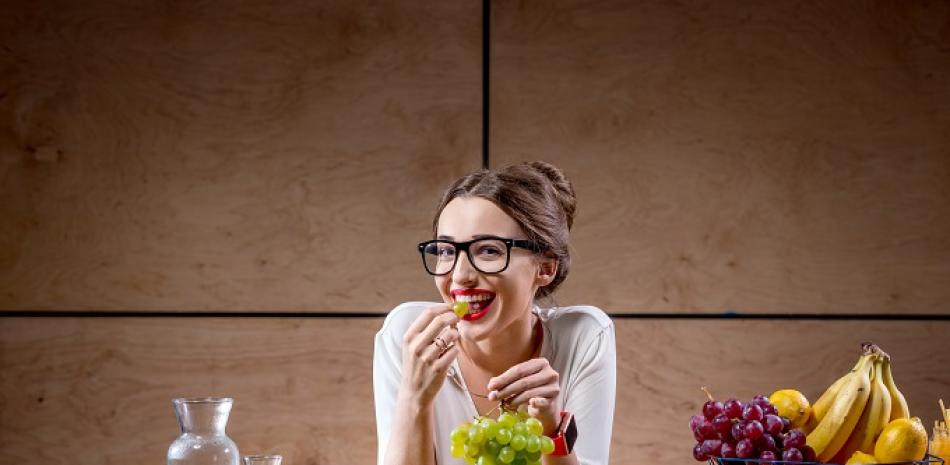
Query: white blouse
[(580, 345)]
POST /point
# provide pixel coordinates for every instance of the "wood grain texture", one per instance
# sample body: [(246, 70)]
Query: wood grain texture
[(96, 391), (758, 157), (247, 155)]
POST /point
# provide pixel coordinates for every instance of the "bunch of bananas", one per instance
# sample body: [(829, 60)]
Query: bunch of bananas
[(850, 415)]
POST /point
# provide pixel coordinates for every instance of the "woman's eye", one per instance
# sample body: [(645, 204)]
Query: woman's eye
[(489, 252), (446, 252)]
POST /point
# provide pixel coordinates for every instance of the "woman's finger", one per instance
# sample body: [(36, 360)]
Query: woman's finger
[(423, 320), (517, 372), (436, 327), (546, 391), (541, 378)]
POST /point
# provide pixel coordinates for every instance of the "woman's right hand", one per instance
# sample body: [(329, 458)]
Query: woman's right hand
[(424, 362)]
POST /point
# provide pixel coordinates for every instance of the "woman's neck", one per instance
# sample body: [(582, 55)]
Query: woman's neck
[(507, 348)]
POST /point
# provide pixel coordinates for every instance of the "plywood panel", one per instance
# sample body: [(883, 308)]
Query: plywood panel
[(771, 157), (96, 391), (249, 156)]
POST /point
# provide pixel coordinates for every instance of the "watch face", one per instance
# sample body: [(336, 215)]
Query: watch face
[(570, 435)]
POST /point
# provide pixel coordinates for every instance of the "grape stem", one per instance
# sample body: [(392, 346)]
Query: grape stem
[(707, 393)]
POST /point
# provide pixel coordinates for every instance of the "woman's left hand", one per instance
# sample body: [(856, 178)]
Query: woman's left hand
[(534, 384)]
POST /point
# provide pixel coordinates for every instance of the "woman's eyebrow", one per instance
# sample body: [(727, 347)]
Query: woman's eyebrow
[(444, 238)]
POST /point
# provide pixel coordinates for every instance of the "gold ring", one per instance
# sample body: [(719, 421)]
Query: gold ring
[(446, 348), (440, 343)]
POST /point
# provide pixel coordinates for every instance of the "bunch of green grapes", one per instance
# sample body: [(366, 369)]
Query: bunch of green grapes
[(513, 439)]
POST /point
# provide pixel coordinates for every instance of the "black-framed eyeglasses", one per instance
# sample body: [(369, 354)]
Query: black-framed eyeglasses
[(486, 254)]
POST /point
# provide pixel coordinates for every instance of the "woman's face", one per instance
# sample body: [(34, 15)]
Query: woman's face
[(496, 300)]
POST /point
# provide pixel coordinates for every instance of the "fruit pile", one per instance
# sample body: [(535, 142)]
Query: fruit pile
[(748, 431), (862, 418), (514, 438)]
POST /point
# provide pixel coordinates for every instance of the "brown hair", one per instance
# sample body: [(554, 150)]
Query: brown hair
[(537, 196)]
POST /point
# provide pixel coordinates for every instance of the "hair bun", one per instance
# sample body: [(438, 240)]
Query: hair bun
[(563, 188)]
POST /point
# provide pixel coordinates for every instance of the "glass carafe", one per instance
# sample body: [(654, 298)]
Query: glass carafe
[(203, 440)]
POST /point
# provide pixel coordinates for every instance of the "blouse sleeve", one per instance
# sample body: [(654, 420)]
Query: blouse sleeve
[(592, 395), (387, 372)]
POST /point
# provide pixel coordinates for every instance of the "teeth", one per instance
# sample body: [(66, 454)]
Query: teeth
[(472, 298)]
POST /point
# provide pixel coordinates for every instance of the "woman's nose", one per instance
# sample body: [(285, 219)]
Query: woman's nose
[(464, 272)]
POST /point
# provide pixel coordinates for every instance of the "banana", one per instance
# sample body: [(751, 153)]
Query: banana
[(899, 407), (876, 415), (821, 406), (834, 429)]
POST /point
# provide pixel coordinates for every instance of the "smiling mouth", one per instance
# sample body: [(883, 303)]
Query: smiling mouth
[(478, 305)]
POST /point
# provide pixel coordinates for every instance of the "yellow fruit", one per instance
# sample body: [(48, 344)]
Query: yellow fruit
[(902, 440), (860, 458), (793, 405)]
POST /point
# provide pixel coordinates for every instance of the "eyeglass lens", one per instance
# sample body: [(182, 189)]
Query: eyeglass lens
[(487, 256)]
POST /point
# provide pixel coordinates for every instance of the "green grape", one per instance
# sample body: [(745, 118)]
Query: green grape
[(523, 414), (534, 426), (547, 445), (470, 460), (460, 434), (503, 436), (460, 309), (533, 456), (533, 444), (519, 461), (520, 428), (518, 442), (457, 449), (490, 428), (472, 450), (507, 420), (485, 460), (506, 455), (536, 462), (491, 447), (476, 435)]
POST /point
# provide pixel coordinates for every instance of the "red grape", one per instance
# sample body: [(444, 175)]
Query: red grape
[(698, 454), (694, 422), (808, 454), (732, 408), (722, 424), (767, 455), (727, 451), (792, 455), (761, 401), (794, 439), (710, 447), (706, 431), (753, 430), (737, 431), (766, 442), (752, 412), (712, 408), (745, 449), (773, 424)]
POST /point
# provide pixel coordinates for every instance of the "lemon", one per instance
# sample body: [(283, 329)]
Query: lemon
[(903, 440), (860, 458), (793, 405)]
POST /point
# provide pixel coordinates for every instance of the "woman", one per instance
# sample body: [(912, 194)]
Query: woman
[(501, 245)]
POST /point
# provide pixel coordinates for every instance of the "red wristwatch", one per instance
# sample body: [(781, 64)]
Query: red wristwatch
[(565, 435)]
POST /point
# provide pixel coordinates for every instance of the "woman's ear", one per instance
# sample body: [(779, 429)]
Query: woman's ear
[(547, 270)]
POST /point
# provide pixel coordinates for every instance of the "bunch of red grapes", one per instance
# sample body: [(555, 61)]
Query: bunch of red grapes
[(752, 431)]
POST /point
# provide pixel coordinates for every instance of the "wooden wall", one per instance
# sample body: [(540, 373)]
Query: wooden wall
[(88, 391), (780, 157)]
